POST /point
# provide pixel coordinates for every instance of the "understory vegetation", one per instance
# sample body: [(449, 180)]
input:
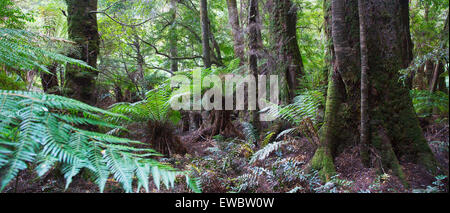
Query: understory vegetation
[(85, 96)]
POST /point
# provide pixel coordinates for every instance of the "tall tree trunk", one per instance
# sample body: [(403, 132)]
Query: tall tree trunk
[(284, 32), (342, 105), (83, 29), (236, 30), (364, 132), (435, 77), (394, 128), (389, 51), (173, 37), (329, 56), (254, 46), (205, 33)]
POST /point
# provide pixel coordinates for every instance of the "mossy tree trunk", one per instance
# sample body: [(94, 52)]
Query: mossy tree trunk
[(83, 29), (284, 37), (342, 105), (394, 131)]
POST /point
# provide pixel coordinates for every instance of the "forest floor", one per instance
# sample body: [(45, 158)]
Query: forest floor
[(223, 166)]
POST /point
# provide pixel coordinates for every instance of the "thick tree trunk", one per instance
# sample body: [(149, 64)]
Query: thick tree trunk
[(406, 40), (394, 128), (83, 29), (389, 51), (284, 32), (236, 30), (342, 104)]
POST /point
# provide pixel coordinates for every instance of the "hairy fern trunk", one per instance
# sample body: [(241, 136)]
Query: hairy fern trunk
[(163, 139)]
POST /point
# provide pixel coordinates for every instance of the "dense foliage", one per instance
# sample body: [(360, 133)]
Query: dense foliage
[(131, 135)]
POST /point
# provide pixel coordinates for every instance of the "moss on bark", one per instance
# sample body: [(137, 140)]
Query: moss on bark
[(83, 29), (323, 163), (395, 132)]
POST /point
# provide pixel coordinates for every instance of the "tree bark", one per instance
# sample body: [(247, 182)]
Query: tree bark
[(83, 29), (205, 33), (364, 135), (284, 33), (406, 40), (329, 56), (394, 128), (254, 46), (238, 37), (342, 105), (173, 37)]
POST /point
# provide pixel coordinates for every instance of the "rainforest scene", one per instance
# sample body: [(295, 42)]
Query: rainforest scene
[(224, 96)]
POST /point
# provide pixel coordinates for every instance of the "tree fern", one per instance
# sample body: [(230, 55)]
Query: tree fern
[(303, 113), (156, 107), (22, 50), (37, 128)]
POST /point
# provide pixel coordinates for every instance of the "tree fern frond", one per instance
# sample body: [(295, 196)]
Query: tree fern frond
[(21, 50), (40, 128)]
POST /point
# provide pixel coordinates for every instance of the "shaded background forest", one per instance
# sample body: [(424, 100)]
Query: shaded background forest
[(85, 93)]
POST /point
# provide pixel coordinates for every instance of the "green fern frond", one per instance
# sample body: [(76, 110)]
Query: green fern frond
[(304, 106), (267, 150), (41, 128), (21, 50), (250, 132)]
